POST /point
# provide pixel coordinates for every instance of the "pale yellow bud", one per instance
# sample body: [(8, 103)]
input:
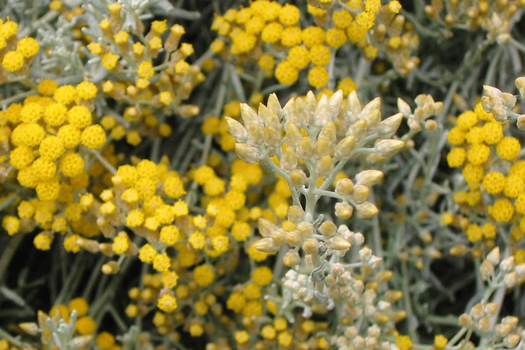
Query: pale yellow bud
[(325, 166), (404, 107), (367, 210), (484, 324), (30, 328), (464, 320), (278, 237), (511, 341), (295, 214), (520, 82), (305, 148), (486, 270), (310, 246), (431, 125), (322, 148), (271, 136), (338, 243), (266, 227), (343, 150), (328, 229), (458, 250), (237, 131), (81, 341), (249, 116), (328, 132), (393, 295), (511, 279), (389, 126), (291, 258), (266, 245), (344, 187), (343, 210), (110, 268), (293, 135), (306, 229), (494, 256), (293, 238), (388, 147), (491, 309), (358, 129), (503, 329), (369, 177), (288, 159), (360, 193), (298, 178), (255, 134), (248, 154)]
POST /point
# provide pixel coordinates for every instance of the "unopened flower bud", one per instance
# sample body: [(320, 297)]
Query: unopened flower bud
[(266, 245), (310, 246), (365, 254), (237, 131), (293, 238), (508, 264), (486, 270), (431, 125), (503, 329), (305, 229), (288, 159), (511, 279), (494, 256), (291, 258), (248, 154), (293, 135), (360, 193), (110, 268), (464, 320), (458, 250), (389, 126), (344, 187), (491, 309), (511, 341), (338, 243), (358, 238), (298, 178), (266, 227), (484, 324), (305, 148), (367, 210), (30, 328), (344, 210), (369, 177), (325, 166), (388, 147), (328, 229)]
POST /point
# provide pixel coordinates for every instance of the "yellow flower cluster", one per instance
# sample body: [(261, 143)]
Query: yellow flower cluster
[(15, 55), (489, 162), (271, 35), (53, 141)]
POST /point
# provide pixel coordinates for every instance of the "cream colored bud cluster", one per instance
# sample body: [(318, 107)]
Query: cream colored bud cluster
[(492, 17), (353, 340), (499, 103), (509, 274), (311, 134), (356, 194), (326, 238), (479, 319), (426, 107)]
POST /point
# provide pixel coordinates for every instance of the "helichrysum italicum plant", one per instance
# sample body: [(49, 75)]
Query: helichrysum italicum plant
[(169, 181)]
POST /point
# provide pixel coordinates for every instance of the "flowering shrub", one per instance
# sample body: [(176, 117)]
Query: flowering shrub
[(311, 174)]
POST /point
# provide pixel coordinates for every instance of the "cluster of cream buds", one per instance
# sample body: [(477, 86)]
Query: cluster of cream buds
[(426, 107), (509, 273), (353, 340), (503, 105), (492, 16), (374, 28), (16, 54)]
